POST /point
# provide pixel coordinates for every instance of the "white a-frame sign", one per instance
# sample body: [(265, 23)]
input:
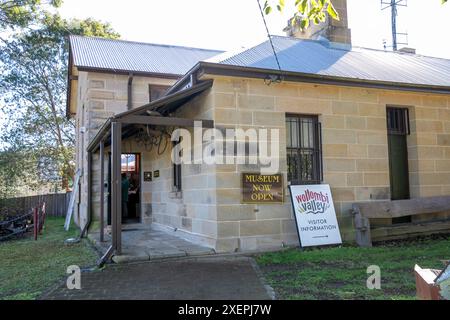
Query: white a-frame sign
[(315, 215)]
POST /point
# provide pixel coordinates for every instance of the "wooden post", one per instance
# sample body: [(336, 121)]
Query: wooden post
[(362, 226), (42, 220), (116, 187), (89, 195), (35, 222), (102, 191)]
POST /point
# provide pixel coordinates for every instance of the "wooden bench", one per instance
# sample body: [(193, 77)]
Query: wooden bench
[(364, 211)]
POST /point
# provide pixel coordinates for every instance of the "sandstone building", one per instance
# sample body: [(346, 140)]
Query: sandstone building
[(378, 125)]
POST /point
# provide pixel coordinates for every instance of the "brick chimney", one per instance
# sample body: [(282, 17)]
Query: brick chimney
[(333, 30)]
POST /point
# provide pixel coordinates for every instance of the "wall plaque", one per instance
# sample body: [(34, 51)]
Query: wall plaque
[(260, 188), (147, 176), (156, 174)]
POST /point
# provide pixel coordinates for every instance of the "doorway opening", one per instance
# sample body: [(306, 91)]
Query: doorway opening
[(131, 188), (398, 130)]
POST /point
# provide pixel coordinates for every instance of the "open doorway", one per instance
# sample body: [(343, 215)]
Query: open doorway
[(131, 188)]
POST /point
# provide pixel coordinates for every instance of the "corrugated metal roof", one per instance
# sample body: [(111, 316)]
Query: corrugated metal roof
[(119, 55), (295, 55), (322, 58)]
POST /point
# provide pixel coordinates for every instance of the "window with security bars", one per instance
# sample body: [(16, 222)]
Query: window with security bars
[(304, 149), (398, 121)]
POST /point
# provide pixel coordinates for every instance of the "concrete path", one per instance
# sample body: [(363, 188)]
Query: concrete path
[(146, 242), (221, 278)]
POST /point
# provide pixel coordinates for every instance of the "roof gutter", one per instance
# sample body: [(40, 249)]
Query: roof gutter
[(190, 76), (127, 72), (249, 72), (69, 83), (130, 92)]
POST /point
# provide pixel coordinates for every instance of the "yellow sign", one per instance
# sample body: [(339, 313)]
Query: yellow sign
[(259, 188)]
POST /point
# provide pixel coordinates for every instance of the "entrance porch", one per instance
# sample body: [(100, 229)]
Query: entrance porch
[(141, 242)]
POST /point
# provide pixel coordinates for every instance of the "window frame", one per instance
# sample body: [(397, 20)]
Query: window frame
[(397, 120), (157, 87), (315, 150)]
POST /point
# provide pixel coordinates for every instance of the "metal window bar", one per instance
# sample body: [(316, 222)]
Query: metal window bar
[(304, 149), (398, 121)]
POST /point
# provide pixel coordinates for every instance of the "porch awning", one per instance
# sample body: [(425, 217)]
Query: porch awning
[(163, 106)]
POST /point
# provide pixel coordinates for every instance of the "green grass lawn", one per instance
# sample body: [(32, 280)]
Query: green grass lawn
[(29, 267), (341, 273)]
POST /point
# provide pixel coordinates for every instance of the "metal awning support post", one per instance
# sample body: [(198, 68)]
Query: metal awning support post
[(102, 191), (89, 191), (85, 229), (116, 187)]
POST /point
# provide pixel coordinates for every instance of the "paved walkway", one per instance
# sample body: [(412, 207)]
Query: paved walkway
[(221, 278), (145, 242)]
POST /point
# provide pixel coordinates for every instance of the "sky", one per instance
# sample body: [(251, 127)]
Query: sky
[(233, 24)]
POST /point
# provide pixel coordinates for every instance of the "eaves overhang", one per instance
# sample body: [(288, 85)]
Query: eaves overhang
[(218, 69)]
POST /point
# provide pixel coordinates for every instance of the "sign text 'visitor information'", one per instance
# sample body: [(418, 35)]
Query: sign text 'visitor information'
[(260, 188), (315, 215)]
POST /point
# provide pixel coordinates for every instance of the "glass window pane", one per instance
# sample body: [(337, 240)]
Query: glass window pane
[(292, 133), (295, 134), (307, 134), (128, 163), (288, 132), (293, 163)]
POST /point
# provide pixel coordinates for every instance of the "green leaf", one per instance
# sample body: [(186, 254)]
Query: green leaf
[(322, 17), (304, 24), (332, 11), (302, 7), (268, 10), (294, 20)]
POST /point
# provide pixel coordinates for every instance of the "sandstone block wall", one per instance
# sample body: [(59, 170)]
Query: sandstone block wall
[(355, 154), (101, 96), (355, 150)]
